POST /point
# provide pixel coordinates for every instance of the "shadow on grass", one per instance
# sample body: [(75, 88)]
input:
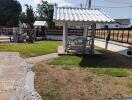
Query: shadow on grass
[(107, 60)]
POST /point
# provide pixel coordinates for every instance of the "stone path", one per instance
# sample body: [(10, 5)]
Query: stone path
[(16, 78), (113, 46), (12, 68), (34, 60)]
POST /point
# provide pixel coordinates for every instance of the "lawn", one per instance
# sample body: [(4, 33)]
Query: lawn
[(31, 50), (85, 77)]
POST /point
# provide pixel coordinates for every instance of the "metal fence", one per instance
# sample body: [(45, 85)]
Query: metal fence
[(120, 35), (6, 31), (78, 32), (9, 31)]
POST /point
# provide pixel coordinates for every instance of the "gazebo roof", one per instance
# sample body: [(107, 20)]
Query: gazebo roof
[(68, 14)]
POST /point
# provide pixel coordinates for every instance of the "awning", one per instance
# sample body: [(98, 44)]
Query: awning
[(40, 23)]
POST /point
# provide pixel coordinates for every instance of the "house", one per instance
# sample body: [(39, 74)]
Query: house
[(119, 23)]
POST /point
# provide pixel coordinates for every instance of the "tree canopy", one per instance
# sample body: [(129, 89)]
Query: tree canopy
[(45, 12), (28, 16), (9, 12)]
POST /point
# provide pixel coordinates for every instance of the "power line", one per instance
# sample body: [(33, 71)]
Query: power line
[(119, 2), (113, 6)]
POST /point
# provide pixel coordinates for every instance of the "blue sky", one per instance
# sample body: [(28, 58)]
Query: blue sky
[(109, 6)]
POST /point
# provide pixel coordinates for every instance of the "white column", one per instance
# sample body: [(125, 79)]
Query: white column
[(93, 26), (65, 35), (85, 30)]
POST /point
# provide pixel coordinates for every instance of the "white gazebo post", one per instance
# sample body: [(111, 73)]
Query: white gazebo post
[(65, 35), (93, 26), (85, 30)]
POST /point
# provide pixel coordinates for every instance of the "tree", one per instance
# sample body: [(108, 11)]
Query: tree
[(9, 12), (45, 12), (22, 17), (30, 16)]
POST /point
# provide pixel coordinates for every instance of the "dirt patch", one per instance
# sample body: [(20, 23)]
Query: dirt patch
[(58, 83)]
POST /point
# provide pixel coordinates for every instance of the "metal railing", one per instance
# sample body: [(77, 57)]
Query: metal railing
[(9, 31), (120, 35)]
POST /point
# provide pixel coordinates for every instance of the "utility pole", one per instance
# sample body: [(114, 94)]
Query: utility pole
[(81, 6), (88, 4)]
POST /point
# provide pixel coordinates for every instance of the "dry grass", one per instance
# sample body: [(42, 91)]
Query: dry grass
[(84, 78), (57, 83)]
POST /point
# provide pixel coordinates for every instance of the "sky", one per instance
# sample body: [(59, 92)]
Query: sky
[(114, 8)]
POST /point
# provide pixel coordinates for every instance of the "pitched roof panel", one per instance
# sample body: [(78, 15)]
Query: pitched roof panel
[(80, 14)]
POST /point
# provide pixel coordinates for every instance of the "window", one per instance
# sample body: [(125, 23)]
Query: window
[(106, 27), (116, 26)]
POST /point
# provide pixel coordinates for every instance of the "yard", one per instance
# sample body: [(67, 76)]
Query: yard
[(31, 50), (85, 78)]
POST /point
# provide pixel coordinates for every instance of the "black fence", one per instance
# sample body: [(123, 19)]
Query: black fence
[(9, 31)]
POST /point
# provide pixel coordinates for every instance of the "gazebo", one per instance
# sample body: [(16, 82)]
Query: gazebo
[(65, 16)]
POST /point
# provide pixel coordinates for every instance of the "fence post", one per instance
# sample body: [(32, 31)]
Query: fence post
[(109, 32), (128, 36), (104, 33), (113, 34), (117, 34), (101, 33), (122, 35)]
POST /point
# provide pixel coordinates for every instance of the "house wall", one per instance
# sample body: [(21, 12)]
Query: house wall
[(124, 26), (100, 26), (113, 25)]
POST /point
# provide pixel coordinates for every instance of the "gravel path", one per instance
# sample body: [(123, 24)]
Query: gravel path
[(14, 78)]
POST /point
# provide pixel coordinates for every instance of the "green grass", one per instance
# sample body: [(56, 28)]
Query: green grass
[(77, 61), (115, 72), (129, 85), (66, 60), (100, 65), (31, 50)]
